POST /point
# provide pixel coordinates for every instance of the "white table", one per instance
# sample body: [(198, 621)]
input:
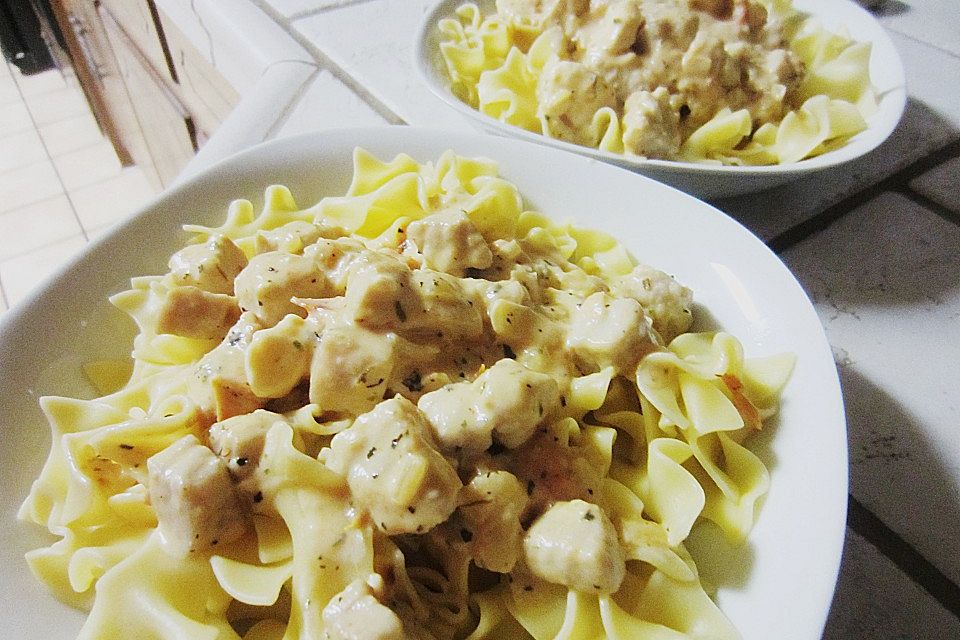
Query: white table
[(876, 244)]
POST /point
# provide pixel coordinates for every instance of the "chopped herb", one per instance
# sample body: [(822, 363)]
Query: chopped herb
[(298, 345), (258, 497), (241, 462), (531, 485), (401, 314), (373, 384), (508, 352), (370, 453), (128, 447), (412, 509), (528, 588), (589, 516), (413, 382), (396, 441)]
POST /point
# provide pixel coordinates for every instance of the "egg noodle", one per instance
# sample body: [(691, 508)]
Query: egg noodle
[(415, 411), (741, 82)]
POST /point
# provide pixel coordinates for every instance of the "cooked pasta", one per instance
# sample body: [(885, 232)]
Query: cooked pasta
[(743, 82), (415, 411)]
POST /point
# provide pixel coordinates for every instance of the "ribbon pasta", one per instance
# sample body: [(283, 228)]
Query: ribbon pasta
[(760, 84), (382, 456)]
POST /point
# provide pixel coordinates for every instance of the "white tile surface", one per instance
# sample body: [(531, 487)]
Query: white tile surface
[(941, 184), (71, 134), (374, 43), (19, 149), (22, 274), (876, 601), (931, 21), (59, 104), (109, 201), (41, 83), (886, 282), (36, 225), (327, 104), (14, 118), (87, 165), (9, 92), (28, 184)]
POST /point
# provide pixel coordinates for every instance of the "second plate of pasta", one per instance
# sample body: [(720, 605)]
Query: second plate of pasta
[(715, 98), (424, 388)]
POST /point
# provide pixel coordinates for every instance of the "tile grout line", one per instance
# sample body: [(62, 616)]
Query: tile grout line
[(914, 38), (46, 150), (291, 105), (898, 181), (865, 523), (928, 203), (326, 62), (309, 13)]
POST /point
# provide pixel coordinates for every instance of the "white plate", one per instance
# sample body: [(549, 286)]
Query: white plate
[(707, 181), (779, 586)]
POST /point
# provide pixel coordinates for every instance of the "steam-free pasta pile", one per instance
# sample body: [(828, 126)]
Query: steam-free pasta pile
[(415, 411), (743, 82)]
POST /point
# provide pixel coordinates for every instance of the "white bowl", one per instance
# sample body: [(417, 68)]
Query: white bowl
[(703, 180), (779, 585)]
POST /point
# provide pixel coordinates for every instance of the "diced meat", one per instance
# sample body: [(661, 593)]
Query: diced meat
[(568, 96), (350, 369), (651, 125), (616, 32), (211, 266), (665, 300), (543, 12), (267, 285), (278, 357), (356, 614), (491, 505), (450, 242), (575, 544), (219, 381), (393, 469), (506, 403), (294, 236), (193, 496), (191, 312), (607, 331), (239, 440)]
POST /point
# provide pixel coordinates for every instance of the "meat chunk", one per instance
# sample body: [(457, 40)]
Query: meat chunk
[(506, 403), (191, 312), (450, 242), (350, 369), (193, 496), (651, 126), (239, 440), (219, 381), (575, 544), (491, 505), (665, 300), (357, 614), (211, 266), (607, 331), (568, 95), (267, 285), (393, 469)]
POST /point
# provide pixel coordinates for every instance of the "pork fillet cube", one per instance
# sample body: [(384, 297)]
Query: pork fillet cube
[(350, 369), (267, 285), (211, 266), (575, 544), (192, 312), (194, 498), (379, 293), (666, 301), (393, 469), (491, 504), (505, 403), (356, 614), (607, 331), (239, 440), (450, 242)]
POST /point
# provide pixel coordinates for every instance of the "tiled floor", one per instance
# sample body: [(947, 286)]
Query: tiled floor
[(60, 181)]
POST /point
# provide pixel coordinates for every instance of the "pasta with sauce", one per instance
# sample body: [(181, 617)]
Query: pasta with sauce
[(742, 82), (415, 411)]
